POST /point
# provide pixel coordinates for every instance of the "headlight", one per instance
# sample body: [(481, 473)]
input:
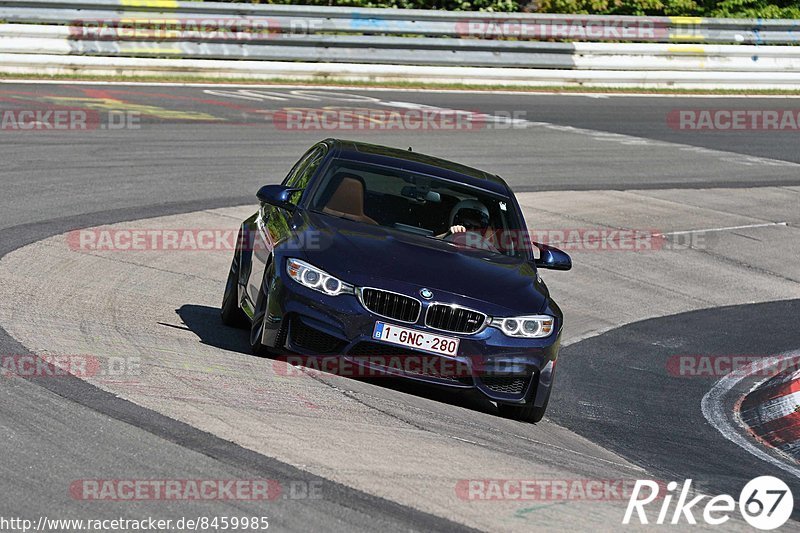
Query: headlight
[(315, 278), (527, 327)]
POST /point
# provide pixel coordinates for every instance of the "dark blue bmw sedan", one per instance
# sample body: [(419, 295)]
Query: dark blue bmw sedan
[(403, 264)]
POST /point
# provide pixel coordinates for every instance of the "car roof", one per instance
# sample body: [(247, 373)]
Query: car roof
[(417, 162)]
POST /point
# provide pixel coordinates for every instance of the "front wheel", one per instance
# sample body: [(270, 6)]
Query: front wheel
[(232, 314), (523, 413), (257, 327)]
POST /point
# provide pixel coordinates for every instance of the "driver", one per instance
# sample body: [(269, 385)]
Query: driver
[(469, 215), (472, 217)]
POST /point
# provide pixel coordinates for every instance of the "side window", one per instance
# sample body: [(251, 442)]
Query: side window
[(302, 172), (291, 176)]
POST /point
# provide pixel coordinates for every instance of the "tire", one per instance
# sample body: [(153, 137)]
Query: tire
[(523, 413), (257, 326), (232, 315)]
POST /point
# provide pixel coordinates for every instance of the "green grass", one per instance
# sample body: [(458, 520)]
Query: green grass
[(399, 84)]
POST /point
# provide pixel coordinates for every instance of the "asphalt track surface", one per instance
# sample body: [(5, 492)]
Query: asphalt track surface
[(657, 427), (61, 430)]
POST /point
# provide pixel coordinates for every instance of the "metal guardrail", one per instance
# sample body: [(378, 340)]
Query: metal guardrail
[(381, 50), (313, 19), (157, 30)]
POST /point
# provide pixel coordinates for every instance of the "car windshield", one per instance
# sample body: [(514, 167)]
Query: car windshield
[(470, 218)]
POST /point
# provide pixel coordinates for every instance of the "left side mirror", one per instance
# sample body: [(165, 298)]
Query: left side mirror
[(552, 258), (277, 195)]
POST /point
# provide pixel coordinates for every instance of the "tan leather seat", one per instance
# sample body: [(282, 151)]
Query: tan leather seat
[(348, 201)]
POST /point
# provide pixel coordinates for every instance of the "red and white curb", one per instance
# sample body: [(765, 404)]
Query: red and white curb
[(771, 412), (757, 436)]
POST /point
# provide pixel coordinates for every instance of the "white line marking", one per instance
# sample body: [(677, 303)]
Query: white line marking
[(562, 449), (462, 440), (714, 410), (258, 96), (298, 91), (727, 228), (532, 92), (630, 140)]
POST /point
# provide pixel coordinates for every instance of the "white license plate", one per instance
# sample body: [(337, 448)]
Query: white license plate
[(413, 338)]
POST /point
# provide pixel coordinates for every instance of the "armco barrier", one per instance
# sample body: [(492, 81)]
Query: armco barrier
[(211, 39), (414, 21)]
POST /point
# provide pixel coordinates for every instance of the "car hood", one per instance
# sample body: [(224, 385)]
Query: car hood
[(366, 255)]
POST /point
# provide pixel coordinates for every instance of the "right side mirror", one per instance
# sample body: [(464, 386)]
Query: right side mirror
[(552, 258)]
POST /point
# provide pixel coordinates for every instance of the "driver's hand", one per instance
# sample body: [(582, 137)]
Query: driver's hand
[(457, 229)]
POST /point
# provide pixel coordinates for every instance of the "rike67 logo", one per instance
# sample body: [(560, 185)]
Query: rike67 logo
[(765, 503)]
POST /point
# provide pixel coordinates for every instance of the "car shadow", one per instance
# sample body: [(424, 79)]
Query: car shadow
[(205, 322)]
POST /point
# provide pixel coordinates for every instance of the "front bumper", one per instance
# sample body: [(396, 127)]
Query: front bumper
[(505, 369)]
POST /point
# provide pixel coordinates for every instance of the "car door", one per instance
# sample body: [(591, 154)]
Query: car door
[(272, 223)]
